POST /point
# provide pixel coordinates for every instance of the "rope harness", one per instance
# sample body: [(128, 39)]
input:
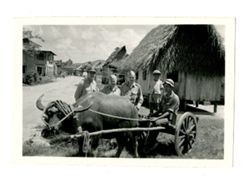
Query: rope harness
[(86, 142), (68, 111), (117, 117), (64, 108)]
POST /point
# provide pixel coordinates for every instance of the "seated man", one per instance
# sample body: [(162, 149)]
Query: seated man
[(170, 101)]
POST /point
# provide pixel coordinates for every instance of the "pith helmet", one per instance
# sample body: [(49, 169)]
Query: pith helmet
[(156, 72), (169, 82)]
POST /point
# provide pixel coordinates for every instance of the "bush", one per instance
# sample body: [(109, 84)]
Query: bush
[(32, 78), (28, 79)]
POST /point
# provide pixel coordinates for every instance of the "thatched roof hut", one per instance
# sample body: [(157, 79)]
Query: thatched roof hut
[(115, 58), (97, 65), (193, 49), (113, 62), (194, 54)]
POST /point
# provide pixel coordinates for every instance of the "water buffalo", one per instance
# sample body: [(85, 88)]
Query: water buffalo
[(84, 118)]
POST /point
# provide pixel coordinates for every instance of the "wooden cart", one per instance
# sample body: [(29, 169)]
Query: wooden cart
[(184, 130)]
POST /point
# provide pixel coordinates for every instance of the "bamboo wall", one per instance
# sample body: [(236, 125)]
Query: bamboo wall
[(193, 87), (189, 87)]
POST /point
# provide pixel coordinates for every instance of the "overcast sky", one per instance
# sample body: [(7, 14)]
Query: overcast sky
[(88, 43), (83, 43)]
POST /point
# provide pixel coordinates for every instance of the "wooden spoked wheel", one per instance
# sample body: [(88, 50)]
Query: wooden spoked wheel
[(185, 133)]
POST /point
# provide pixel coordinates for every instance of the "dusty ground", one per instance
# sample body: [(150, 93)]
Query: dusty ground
[(209, 143)]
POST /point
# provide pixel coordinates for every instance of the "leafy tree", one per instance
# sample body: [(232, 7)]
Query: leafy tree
[(30, 35), (28, 44)]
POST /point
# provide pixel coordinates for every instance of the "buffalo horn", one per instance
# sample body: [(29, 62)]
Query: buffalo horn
[(39, 104), (81, 109)]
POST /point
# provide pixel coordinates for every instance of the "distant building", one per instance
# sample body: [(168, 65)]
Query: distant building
[(68, 63), (98, 65), (59, 65), (36, 61), (112, 64), (70, 70), (78, 71), (40, 62)]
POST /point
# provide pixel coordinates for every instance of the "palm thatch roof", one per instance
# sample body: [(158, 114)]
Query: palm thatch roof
[(97, 64), (116, 56), (194, 49)]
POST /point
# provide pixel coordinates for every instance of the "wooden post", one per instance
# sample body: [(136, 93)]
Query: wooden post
[(184, 105), (197, 103), (215, 107)]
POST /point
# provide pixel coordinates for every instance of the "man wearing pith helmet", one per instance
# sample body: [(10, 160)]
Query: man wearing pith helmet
[(170, 101), (87, 85), (156, 89)]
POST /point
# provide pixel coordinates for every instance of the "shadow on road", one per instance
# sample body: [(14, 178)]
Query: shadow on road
[(195, 110), (162, 149), (165, 149)]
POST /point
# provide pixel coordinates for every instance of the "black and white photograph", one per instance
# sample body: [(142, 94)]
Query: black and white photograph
[(148, 91), (124, 91)]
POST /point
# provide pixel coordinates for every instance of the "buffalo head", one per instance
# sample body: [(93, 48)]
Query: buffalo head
[(57, 115)]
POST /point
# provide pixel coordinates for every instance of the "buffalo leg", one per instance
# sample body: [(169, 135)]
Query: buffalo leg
[(119, 150), (151, 142), (80, 148), (94, 145), (121, 143), (130, 141), (135, 142)]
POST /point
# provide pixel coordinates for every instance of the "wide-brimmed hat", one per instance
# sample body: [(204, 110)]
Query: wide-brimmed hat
[(156, 72), (169, 82)]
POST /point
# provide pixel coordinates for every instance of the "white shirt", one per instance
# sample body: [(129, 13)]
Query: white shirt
[(157, 87)]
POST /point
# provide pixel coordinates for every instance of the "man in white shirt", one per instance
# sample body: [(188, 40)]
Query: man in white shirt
[(155, 92), (87, 85)]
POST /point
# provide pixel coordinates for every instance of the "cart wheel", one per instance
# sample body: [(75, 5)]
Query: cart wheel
[(185, 133)]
